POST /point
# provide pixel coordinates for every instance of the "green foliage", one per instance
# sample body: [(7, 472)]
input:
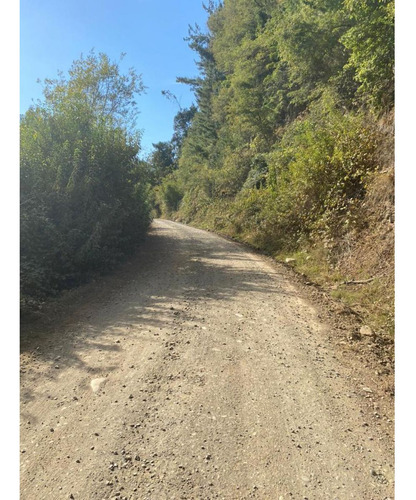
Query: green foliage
[(84, 195), (168, 196), (307, 35), (181, 124), (203, 133), (162, 161), (95, 90), (283, 131), (318, 173), (371, 44)]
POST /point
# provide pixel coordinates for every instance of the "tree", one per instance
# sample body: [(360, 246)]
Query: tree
[(181, 125), (83, 190), (162, 161), (97, 90), (203, 133), (371, 43)]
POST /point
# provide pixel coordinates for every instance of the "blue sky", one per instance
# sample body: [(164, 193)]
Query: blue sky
[(53, 33)]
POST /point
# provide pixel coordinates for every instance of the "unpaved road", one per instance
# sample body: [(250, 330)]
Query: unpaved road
[(214, 377)]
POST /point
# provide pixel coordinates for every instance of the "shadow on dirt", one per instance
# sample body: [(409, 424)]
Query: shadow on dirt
[(176, 263)]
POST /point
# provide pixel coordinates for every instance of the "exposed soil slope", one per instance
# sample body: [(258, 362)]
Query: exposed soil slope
[(199, 371)]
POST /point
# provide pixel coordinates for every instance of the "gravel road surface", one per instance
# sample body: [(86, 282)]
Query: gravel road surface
[(198, 370)]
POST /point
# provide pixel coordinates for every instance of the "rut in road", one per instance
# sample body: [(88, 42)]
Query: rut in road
[(212, 377)]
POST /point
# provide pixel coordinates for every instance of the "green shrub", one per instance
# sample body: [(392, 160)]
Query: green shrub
[(171, 196), (84, 195)]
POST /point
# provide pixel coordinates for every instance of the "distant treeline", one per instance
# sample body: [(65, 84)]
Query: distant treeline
[(84, 193), (283, 140)]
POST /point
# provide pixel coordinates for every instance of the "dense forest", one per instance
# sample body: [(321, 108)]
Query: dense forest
[(290, 145)]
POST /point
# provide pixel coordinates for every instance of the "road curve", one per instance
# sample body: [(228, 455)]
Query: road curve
[(196, 371)]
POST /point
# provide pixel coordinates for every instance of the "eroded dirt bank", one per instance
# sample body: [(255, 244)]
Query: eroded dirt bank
[(199, 371)]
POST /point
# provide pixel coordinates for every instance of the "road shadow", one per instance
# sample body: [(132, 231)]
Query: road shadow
[(175, 263)]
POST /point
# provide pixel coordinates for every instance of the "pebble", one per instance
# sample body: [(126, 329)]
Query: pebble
[(366, 331), (97, 383)]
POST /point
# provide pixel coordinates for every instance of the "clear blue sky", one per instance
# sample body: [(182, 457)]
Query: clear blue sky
[(55, 32)]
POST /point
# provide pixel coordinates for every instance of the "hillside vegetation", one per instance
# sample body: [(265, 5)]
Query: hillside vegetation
[(290, 145)]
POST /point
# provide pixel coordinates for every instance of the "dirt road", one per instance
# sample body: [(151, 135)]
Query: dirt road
[(198, 371)]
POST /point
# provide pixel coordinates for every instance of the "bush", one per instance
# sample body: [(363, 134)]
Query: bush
[(84, 196), (167, 197)]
